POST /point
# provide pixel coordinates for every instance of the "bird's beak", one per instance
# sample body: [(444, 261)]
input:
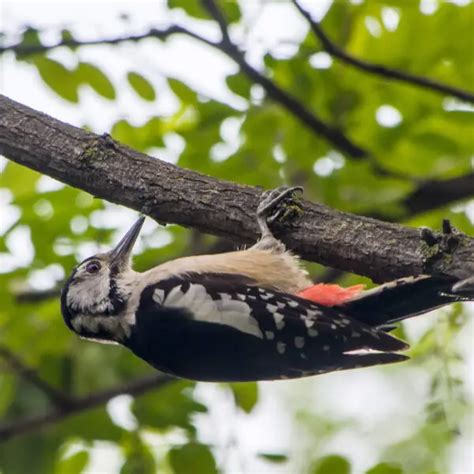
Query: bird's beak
[(120, 255)]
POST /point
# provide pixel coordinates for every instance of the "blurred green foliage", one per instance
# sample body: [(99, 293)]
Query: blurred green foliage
[(431, 139)]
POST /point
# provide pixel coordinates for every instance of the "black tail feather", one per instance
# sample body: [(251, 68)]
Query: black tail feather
[(408, 297)]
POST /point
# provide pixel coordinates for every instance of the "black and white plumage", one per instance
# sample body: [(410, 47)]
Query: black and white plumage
[(236, 316), (219, 327)]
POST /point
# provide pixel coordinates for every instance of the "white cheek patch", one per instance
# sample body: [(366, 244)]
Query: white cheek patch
[(226, 311), (91, 292)]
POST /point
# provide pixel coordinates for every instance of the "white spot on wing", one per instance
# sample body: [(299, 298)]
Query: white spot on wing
[(309, 323), (271, 308), (281, 347), (299, 342), (279, 320), (269, 335), (312, 332)]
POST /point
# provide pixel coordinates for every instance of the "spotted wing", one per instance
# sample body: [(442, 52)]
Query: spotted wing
[(223, 327)]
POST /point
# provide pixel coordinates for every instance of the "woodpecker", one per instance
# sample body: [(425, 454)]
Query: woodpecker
[(247, 315)]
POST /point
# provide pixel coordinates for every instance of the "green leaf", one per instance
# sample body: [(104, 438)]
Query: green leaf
[(60, 79), (194, 8), (20, 181), (182, 91), (89, 74), (92, 425), (169, 406), (141, 86), (66, 35), (192, 458), (273, 457), (139, 459), (7, 392), (150, 134), (30, 39), (245, 395), (384, 468), (332, 464), (74, 464), (239, 84)]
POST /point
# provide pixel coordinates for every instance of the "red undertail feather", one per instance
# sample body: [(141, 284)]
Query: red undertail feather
[(330, 295)]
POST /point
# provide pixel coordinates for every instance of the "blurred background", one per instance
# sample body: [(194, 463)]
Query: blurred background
[(193, 101)]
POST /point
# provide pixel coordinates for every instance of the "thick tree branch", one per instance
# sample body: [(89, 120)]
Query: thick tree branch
[(426, 197), (56, 397), (167, 193), (380, 70), (78, 405)]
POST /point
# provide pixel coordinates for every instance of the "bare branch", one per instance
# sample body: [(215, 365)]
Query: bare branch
[(379, 69), (167, 193), (56, 396), (216, 13), (28, 424), (436, 193), (36, 296), (21, 49), (288, 101)]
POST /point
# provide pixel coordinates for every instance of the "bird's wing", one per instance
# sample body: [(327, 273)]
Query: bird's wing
[(223, 327)]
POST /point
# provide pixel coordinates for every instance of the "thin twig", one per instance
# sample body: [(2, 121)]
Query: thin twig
[(21, 49), (36, 296), (78, 405), (379, 69)]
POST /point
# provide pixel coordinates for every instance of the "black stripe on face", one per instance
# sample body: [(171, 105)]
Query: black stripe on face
[(117, 301)]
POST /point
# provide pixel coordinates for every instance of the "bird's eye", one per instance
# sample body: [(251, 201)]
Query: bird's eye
[(93, 267)]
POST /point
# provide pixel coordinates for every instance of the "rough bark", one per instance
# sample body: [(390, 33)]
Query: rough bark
[(169, 194)]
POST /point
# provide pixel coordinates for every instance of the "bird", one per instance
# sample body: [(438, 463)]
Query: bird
[(247, 315)]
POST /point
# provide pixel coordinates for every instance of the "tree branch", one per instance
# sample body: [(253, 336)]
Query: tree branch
[(288, 101), (436, 193), (57, 397), (167, 193), (333, 135), (380, 70), (21, 49), (36, 296), (78, 405)]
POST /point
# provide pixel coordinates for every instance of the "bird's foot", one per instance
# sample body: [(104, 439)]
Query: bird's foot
[(280, 204)]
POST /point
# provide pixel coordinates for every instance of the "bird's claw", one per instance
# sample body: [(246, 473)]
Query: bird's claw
[(280, 204)]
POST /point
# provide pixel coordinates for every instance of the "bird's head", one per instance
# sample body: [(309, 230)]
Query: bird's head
[(94, 298)]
